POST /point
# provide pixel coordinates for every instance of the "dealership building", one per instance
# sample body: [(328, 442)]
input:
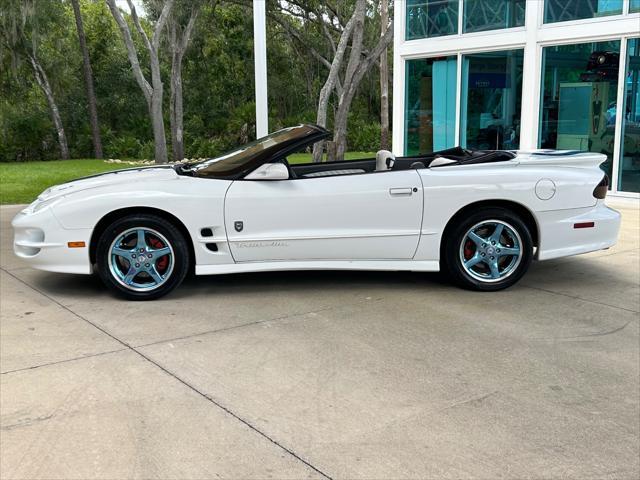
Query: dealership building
[(520, 74)]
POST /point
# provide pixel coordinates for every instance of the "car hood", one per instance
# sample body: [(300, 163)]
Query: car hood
[(129, 175)]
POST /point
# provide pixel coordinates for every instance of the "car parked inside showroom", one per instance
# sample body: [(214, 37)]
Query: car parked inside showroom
[(481, 217)]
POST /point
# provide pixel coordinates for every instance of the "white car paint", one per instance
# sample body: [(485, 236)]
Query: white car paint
[(388, 220), (349, 217)]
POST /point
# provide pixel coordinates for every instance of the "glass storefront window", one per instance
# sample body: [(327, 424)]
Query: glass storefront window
[(578, 99), (564, 10), (491, 100), (430, 104), (629, 167), (482, 15), (431, 18), (634, 6)]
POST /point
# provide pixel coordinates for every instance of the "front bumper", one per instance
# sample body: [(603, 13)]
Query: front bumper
[(559, 238), (41, 241)]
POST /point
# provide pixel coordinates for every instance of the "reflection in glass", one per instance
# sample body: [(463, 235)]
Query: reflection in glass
[(430, 104), (565, 10), (634, 6), (578, 98), (482, 15), (431, 18), (491, 100), (629, 168)]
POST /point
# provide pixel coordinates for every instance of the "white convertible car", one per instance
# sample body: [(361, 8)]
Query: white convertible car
[(481, 216)]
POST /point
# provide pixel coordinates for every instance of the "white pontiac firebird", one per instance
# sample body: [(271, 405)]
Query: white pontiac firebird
[(480, 216)]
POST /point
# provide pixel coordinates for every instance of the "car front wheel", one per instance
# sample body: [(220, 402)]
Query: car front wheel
[(142, 257), (489, 250)]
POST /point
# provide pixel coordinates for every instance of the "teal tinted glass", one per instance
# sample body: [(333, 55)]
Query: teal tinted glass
[(482, 15), (491, 100), (629, 166), (430, 104), (565, 10), (431, 18), (578, 98)]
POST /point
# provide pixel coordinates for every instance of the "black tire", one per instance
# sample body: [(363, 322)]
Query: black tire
[(456, 245), (179, 259)]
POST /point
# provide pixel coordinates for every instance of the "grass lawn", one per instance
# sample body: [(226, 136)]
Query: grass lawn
[(22, 182), (306, 157)]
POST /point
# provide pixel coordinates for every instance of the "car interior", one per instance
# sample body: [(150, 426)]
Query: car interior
[(386, 161)]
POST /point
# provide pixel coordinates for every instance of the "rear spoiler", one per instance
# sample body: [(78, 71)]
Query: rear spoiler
[(561, 158)]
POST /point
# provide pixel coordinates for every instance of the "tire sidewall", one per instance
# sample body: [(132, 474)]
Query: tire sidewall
[(168, 230), (453, 263)]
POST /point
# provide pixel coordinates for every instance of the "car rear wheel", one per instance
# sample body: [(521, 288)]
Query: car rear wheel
[(489, 250), (142, 257)]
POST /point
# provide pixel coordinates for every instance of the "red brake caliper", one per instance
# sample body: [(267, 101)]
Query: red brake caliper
[(162, 262), (468, 250)]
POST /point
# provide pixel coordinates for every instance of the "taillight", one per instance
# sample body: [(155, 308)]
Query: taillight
[(603, 187)]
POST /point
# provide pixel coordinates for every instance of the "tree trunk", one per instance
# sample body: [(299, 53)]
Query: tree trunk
[(384, 80), (350, 87), (157, 118), (178, 46), (176, 109), (330, 83), (159, 136), (344, 104), (152, 92), (340, 125), (43, 83), (88, 81)]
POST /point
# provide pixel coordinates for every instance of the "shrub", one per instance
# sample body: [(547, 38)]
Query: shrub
[(363, 136), (123, 146)]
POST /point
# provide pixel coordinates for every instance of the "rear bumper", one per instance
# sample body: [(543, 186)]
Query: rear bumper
[(559, 238), (40, 241)]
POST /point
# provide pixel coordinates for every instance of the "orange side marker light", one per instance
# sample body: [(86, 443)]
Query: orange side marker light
[(76, 245)]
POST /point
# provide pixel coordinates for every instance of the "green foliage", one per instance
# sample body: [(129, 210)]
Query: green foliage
[(217, 81), (363, 134)]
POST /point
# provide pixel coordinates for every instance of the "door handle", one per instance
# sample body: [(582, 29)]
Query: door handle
[(400, 191)]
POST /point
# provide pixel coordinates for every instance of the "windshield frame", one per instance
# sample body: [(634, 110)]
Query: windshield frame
[(250, 156)]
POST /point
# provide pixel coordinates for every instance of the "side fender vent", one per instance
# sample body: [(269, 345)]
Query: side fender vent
[(206, 232), (212, 246)]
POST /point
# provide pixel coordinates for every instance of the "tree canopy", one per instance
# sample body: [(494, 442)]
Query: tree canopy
[(216, 76)]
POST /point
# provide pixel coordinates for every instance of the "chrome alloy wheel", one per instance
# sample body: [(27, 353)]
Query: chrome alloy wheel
[(491, 250), (141, 259)]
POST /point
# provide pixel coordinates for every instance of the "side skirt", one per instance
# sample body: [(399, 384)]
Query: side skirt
[(389, 265)]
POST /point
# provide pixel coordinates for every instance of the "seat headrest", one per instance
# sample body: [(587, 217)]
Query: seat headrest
[(384, 160)]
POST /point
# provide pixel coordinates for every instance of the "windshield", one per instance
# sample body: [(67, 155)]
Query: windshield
[(254, 153)]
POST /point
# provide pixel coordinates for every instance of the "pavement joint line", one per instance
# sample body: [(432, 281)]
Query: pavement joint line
[(82, 357), (176, 377), (588, 335), (580, 298), (249, 324), (14, 269)]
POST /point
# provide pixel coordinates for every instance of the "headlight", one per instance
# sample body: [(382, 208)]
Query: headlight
[(39, 205)]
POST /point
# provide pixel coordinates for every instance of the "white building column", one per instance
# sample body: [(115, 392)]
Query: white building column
[(399, 91), (260, 66), (531, 77)]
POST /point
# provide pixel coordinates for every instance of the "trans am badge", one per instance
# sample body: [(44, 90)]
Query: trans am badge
[(238, 225)]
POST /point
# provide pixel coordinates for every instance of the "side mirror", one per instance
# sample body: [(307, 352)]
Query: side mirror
[(269, 171)]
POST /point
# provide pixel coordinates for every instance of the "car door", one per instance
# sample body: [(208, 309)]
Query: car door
[(372, 216)]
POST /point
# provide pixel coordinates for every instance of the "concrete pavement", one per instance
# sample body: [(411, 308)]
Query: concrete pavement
[(324, 374)]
